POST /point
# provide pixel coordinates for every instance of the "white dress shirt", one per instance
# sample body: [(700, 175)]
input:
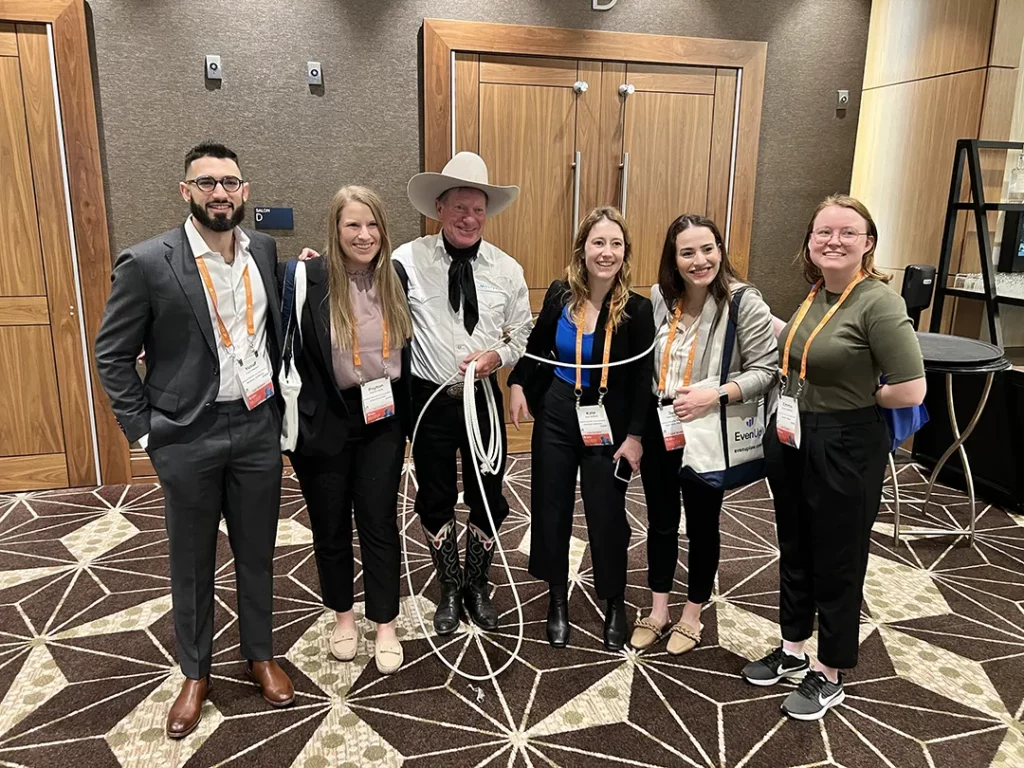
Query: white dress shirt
[(230, 287), (440, 342)]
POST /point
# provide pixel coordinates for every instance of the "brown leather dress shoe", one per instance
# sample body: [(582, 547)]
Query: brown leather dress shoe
[(274, 684), (187, 710)]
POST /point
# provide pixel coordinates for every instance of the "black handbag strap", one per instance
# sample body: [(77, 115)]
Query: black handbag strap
[(730, 334)]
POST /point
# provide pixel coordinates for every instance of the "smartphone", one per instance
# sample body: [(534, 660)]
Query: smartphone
[(623, 472)]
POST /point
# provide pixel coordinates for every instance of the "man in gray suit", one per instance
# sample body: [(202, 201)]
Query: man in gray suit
[(202, 301)]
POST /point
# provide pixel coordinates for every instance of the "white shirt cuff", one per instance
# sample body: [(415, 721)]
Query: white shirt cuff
[(144, 441)]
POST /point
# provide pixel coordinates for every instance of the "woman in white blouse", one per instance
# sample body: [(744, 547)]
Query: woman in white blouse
[(691, 310)]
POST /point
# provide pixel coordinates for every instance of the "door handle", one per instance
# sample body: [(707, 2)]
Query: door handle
[(576, 167), (581, 86), (624, 167)]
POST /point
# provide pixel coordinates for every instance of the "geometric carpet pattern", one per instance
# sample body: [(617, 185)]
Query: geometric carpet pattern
[(87, 667)]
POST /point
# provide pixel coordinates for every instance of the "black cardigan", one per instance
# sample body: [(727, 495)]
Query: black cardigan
[(629, 386), (323, 412)]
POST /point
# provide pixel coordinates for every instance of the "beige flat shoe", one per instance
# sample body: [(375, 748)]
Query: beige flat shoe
[(343, 643), (646, 632), (684, 637), (389, 656)]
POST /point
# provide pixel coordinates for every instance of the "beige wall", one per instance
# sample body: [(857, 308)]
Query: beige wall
[(935, 72), (298, 146)]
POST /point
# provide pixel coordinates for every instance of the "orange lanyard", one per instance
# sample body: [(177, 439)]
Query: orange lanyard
[(250, 325), (799, 319), (688, 372), (385, 347), (579, 354)]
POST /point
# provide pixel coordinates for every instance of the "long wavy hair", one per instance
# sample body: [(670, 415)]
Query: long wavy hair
[(811, 272), (385, 280), (576, 274), (671, 283)]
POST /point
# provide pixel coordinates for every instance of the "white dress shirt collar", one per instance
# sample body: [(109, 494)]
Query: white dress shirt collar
[(200, 248)]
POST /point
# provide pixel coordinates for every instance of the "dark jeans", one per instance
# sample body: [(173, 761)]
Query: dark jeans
[(827, 495), (659, 471), (442, 435), (558, 452)]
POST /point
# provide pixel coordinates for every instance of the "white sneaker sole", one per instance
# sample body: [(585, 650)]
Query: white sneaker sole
[(796, 674), (821, 712)]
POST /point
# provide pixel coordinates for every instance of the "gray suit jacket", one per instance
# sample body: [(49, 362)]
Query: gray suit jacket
[(158, 303)]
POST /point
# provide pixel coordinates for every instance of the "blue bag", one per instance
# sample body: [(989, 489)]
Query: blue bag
[(903, 422)]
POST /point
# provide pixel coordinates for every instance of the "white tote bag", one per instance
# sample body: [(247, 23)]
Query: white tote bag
[(288, 379)]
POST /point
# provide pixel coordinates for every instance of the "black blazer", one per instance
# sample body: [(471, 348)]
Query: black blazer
[(157, 302), (629, 386), (323, 412)]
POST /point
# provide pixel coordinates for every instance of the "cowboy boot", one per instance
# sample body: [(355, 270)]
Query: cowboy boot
[(476, 595), (444, 551)]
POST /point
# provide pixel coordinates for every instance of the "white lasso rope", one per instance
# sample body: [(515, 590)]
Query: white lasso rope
[(486, 459)]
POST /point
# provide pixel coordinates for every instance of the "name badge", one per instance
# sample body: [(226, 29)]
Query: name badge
[(671, 428), (378, 402), (594, 425), (787, 421), (254, 376)]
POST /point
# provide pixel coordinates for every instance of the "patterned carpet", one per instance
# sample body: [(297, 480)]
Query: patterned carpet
[(87, 669)]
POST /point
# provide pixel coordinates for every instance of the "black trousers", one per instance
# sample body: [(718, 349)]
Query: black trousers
[(363, 479), (232, 468), (442, 434), (659, 470), (827, 495), (558, 452)]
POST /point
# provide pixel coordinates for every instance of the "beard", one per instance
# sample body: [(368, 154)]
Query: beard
[(218, 222)]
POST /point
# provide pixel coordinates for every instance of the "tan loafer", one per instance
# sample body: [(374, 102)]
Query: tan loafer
[(344, 643), (684, 637), (646, 632), (389, 656)]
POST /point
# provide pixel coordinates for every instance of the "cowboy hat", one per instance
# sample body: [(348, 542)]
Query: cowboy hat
[(466, 169)]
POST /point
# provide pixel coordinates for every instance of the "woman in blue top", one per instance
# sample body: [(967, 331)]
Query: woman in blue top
[(586, 420)]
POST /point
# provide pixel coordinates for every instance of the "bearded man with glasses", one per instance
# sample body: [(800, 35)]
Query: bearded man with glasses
[(202, 300)]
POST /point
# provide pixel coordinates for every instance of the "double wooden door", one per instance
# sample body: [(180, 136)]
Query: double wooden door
[(46, 435), (654, 140)]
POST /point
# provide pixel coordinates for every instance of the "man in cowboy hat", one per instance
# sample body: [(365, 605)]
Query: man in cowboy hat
[(464, 294)]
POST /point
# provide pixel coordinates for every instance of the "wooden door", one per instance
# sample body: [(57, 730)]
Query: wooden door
[(46, 439), (676, 150)]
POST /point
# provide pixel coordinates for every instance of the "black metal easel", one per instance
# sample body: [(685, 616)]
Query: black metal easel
[(967, 150)]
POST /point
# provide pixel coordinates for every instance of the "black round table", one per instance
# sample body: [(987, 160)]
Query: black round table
[(956, 356)]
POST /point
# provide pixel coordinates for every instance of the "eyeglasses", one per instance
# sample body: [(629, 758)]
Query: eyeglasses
[(846, 236), (208, 183)]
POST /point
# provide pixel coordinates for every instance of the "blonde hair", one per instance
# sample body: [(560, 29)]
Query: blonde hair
[(576, 274), (385, 280), (811, 272)]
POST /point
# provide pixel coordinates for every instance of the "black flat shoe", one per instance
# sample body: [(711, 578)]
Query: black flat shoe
[(615, 625), (558, 615)]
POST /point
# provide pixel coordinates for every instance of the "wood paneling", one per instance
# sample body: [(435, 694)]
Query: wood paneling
[(588, 136), (904, 157), (535, 229), (8, 40), (85, 178), (440, 38), (21, 265), (665, 78), (721, 147), (57, 256), (1007, 34), (33, 473), (24, 310), (910, 39), (612, 107), (142, 465), (668, 138), (467, 102), (35, 10), (523, 70), (32, 421)]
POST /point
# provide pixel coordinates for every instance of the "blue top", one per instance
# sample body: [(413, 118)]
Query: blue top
[(565, 350)]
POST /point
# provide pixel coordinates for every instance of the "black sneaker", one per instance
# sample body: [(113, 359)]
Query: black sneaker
[(815, 696), (775, 666)]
